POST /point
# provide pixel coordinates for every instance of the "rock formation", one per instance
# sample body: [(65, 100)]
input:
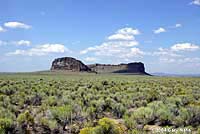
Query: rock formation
[(135, 68), (69, 64), (72, 65)]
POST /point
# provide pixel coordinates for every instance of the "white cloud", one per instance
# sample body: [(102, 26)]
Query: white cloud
[(120, 49), (41, 50), (134, 52), (167, 60), (178, 25), (2, 29), (159, 30), (17, 43), (124, 34), (196, 2), (2, 43), (16, 25), (184, 60), (129, 30), (22, 43), (111, 47), (184, 47), (90, 59), (121, 37), (190, 60), (162, 29), (165, 53), (173, 53), (120, 45)]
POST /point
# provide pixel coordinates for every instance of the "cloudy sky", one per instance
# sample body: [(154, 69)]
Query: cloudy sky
[(165, 35)]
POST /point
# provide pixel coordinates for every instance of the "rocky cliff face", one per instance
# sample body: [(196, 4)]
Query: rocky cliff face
[(74, 65), (69, 64), (136, 67)]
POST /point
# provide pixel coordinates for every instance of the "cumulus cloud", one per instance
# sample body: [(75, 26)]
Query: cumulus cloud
[(159, 30), (193, 60), (16, 25), (184, 47), (129, 30), (196, 2), (121, 45), (41, 50), (3, 43), (22, 43), (178, 25), (162, 29), (121, 37), (17, 43), (2, 29), (175, 51), (90, 59), (133, 52), (167, 60), (175, 54), (165, 53), (189, 60), (124, 34), (110, 48)]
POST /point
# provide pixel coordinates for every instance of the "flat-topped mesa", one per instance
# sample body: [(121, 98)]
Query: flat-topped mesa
[(69, 64), (134, 68)]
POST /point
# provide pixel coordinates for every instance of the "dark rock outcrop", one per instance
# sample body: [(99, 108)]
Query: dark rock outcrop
[(135, 68), (69, 64), (73, 65)]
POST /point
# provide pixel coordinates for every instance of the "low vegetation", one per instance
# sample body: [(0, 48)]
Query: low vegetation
[(97, 104)]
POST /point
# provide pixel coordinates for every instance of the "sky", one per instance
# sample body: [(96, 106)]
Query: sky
[(164, 35)]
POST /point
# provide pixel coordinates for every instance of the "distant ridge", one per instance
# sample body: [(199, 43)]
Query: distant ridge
[(175, 75)]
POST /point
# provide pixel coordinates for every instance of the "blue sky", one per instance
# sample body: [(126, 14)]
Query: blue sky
[(162, 34)]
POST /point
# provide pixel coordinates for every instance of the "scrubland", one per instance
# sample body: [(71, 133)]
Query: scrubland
[(98, 104)]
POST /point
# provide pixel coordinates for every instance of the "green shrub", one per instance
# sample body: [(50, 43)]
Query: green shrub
[(62, 113), (118, 110), (52, 124), (26, 118), (142, 116), (51, 101), (5, 124), (105, 126), (183, 118), (161, 111)]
